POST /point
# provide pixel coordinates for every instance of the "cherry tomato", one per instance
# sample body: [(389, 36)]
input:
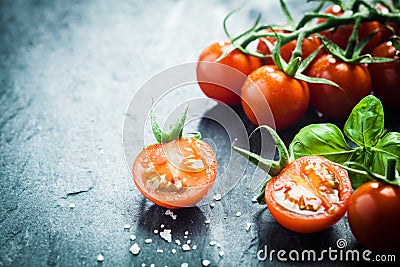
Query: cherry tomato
[(354, 79), (269, 89), (309, 195), (386, 76), (220, 82), (341, 35), (386, 32), (309, 45), (175, 174), (374, 215)]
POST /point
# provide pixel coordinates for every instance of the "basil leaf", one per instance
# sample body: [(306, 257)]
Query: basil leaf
[(360, 156), (365, 124), (321, 139), (387, 147)]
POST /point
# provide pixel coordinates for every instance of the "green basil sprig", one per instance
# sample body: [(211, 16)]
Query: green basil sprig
[(365, 128)]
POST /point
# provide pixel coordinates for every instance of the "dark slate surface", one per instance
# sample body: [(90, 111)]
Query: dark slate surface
[(68, 71)]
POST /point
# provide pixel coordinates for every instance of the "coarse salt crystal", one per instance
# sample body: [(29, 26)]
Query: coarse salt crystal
[(213, 243), (173, 251), (194, 247), (132, 237), (212, 205), (184, 264), (148, 241), (238, 214), (160, 250), (135, 249), (217, 197), (152, 265), (72, 205), (166, 235), (186, 232), (248, 225), (100, 258), (178, 242), (205, 263), (207, 221), (185, 247), (221, 253), (155, 231), (127, 226), (254, 199), (189, 241), (162, 225)]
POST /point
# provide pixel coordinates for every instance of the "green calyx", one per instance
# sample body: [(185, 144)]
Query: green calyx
[(272, 167), (176, 128)]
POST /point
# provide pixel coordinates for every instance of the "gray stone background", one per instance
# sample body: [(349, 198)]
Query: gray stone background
[(68, 70)]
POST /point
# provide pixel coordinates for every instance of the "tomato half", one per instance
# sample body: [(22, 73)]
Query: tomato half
[(309, 195), (176, 174), (374, 216), (341, 34), (309, 45), (386, 76), (354, 79), (220, 81), (270, 89)]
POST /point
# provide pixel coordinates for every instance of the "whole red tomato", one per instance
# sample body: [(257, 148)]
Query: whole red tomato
[(222, 81), (390, 28), (341, 35), (309, 45), (354, 79), (386, 76), (269, 89), (374, 215), (309, 195)]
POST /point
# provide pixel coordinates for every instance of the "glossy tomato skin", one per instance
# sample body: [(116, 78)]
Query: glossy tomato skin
[(310, 212), (354, 79), (309, 45), (269, 89), (341, 35), (219, 81), (176, 174), (374, 216), (386, 76)]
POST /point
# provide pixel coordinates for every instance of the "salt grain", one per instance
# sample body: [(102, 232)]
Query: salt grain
[(238, 214), (100, 258), (213, 243), (166, 235), (135, 249), (184, 264), (194, 247), (72, 205), (217, 197), (148, 241), (212, 205), (155, 231), (248, 225), (254, 199), (185, 247), (127, 226), (221, 253), (132, 237), (160, 250), (207, 221), (173, 251), (178, 242), (205, 263)]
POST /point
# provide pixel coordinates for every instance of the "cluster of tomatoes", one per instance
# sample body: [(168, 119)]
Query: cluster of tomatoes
[(268, 88)]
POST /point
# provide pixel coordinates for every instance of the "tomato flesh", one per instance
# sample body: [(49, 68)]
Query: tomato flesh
[(175, 174), (374, 216), (309, 195)]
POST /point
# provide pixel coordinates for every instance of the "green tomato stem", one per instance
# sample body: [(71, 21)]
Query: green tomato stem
[(391, 169), (353, 40)]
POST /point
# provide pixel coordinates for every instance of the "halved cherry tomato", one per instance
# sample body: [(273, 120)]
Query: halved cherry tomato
[(270, 89), (374, 216), (341, 35), (309, 195), (386, 76), (354, 79), (220, 82), (176, 174), (309, 45)]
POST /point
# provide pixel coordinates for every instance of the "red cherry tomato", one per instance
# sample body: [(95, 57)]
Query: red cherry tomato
[(176, 174), (309, 45), (386, 32), (309, 195), (374, 216), (341, 35), (355, 80), (386, 76), (270, 89), (220, 82)]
